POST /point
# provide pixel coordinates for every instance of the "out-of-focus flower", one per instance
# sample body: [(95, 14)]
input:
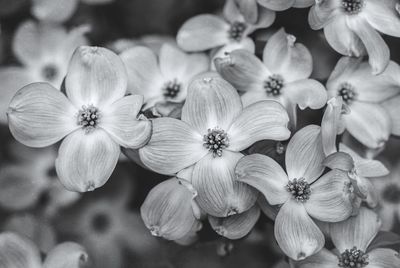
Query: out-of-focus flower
[(23, 184), (302, 192), (205, 145), (170, 211), (44, 51), (59, 10), (96, 118), (352, 239), (282, 76), (37, 229), (152, 41), (207, 31), (364, 94), (351, 27), (163, 78), (20, 252), (388, 189), (104, 224), (249, 8)]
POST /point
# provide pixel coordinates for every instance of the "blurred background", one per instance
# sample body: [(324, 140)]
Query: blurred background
[(107, 221)]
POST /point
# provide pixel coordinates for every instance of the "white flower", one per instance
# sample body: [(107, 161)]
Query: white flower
[(95, 118)]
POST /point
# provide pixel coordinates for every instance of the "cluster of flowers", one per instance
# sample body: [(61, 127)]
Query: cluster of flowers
[(197, 117)]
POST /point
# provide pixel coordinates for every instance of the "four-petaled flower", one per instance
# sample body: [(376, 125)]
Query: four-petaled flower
[(204, 146), (302, 192), (351, 27), (95, 117)]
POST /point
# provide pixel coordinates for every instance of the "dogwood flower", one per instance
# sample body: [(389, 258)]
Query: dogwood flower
[(388, 191), (205, 145), (364, 95), (351, 27), (352, 239), (44, 51), (95, 118), (283, 75), (20, 252), (302, 192), (207, 31), (162, 78), (59, 10)]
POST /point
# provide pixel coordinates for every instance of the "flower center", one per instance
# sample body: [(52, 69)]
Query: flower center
[(49, 72), (101, 222), (274, 85), (171, 89), (88, 117), (391, 194), (237, 29), (352, 6), (215, 141), (300, 189), (347, 92), (353, 258)]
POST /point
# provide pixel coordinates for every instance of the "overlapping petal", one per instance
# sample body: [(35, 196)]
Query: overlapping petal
[(86, 160), (219, 194), (264, 174), (96, 76), (235, 226), (323, 259), (66, 255), (306, 93), (40, 115), (203, 32), (296, 233), (329, 200), (304, 154), (383, 15), (262, 120), (357, 231), (211, 102), (383, 258), (121, 122), (322, 13), (173, 146), (331, 125), (277, 5), (392, 107)]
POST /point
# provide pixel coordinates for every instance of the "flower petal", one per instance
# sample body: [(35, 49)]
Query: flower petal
[(243, 70), (203, 32), (167, 211), (276, 5), (86, 160), (323, 259), (392, 107), (339, 160), (304, 154), (95, 76), (369, 123), (282, 55), (378, 51), (306, 93), (303, 3), (67, 254), (249, 9), (342, 39), (383, 258), (235, 226), (121, 122), (322, 13), (383, 15), (365, 167), (173, 146), (329, 200), (211, 102), (263, 120), (54, 10), (357, 231), (331, 125), (12, 79), (18, 252), (144, 76), (218, 193), (40, 115), (264, 174), (296, 233)]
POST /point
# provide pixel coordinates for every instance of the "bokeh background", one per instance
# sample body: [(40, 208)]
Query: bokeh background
[(107, 221)]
